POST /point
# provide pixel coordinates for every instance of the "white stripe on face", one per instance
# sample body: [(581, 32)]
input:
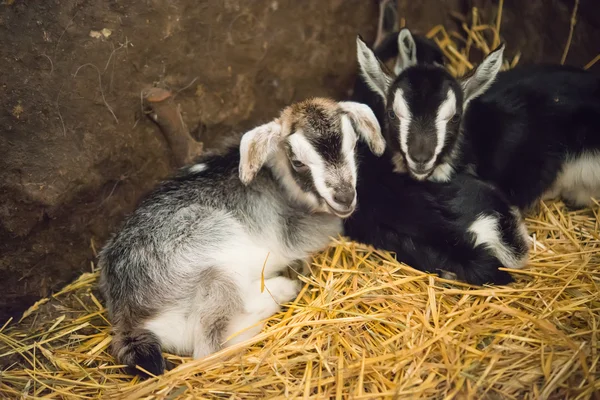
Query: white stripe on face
[(306, 153), (446, 110), (405, 117)]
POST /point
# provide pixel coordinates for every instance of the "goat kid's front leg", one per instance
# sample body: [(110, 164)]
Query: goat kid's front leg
[(260, 306)]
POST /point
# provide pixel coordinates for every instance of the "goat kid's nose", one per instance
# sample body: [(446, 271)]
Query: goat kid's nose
[(345, 198), (420, 158)]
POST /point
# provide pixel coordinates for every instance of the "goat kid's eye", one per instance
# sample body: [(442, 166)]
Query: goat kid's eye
[(455, 118), (299, 165), (391, 114)]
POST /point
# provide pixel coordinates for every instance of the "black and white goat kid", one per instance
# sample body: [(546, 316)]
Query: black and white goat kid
[(534, 131), (464, 226), (405, 49), (184, 272)]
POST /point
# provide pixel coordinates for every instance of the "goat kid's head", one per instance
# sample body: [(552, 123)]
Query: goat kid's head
[(311, 150), (424, 103)]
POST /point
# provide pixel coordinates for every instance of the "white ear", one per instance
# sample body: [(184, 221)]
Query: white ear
[(256, 147), (484, 75), (371, 69), (365, 123), (407, 51)]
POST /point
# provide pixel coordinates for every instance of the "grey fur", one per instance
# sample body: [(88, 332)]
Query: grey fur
[(176, 257)]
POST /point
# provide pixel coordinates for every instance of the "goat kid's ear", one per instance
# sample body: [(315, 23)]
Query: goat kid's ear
[(484, 75), (407, 51), (365, 123), (255, 148), (372, 70)]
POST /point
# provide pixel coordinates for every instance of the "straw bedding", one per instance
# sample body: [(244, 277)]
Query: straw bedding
[(363, 327)]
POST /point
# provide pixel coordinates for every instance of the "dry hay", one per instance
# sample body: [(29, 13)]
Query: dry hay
[(364, 327)]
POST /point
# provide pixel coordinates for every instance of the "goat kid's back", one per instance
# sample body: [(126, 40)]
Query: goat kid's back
[(536, 134)]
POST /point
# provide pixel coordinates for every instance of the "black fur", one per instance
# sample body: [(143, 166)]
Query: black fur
[(323, 132), (141, 348), (519, 133), (425, 223), (428, 52)]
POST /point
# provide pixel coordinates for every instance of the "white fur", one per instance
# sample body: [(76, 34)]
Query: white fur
[(522, 227), (180, 329), (442, 173), (263, 140), (197, 168), (445, 171), (486, 230), (349, 139), (366, 122), (260, 306), (174, 330), (348, 145), (445, 112), (245, 256), (402, 111), (579, 180), (371, 70), (407, 54), (483, 77)]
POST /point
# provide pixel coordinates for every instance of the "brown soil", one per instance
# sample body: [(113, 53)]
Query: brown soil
[(76, 151)]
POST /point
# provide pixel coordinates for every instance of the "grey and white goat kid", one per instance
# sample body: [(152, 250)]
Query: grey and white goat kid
[(533, 131), (184, 272)]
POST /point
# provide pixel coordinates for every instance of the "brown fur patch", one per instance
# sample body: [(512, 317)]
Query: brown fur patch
[(367, 125), (253, 155), (299, 114)]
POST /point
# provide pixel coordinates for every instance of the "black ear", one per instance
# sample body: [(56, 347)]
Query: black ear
[(371, 69), (484, 75)]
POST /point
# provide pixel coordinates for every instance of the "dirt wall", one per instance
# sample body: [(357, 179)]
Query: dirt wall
[(76, 152)]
